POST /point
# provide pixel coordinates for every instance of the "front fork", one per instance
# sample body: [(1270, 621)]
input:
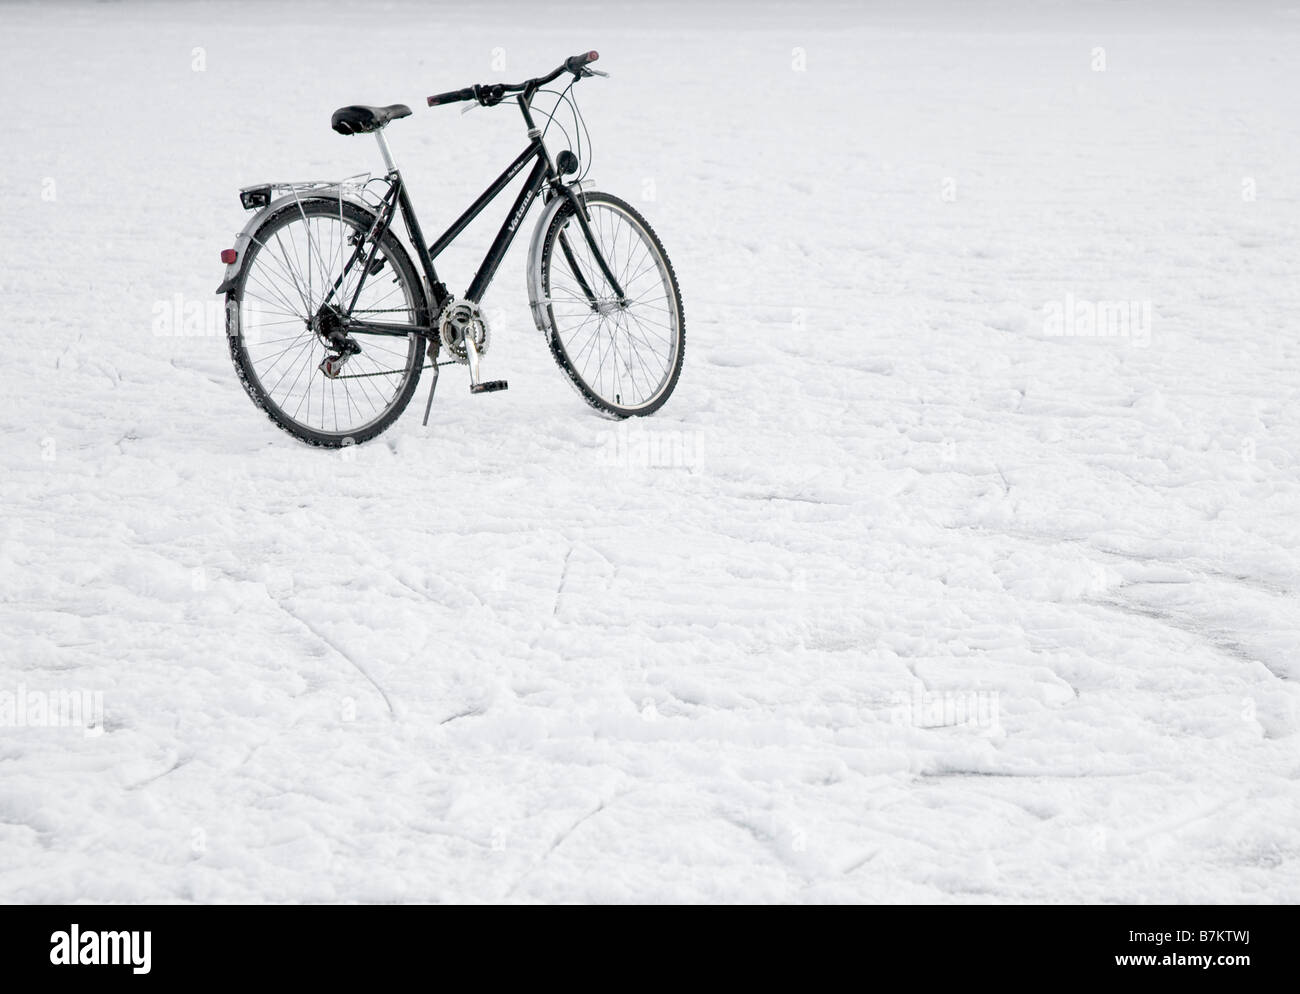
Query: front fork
[(584, 222)]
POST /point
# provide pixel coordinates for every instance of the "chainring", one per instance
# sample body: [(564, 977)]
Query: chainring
[(458, 318)]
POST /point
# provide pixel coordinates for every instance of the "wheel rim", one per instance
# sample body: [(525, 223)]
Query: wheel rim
[(292, 267), (624, 355)]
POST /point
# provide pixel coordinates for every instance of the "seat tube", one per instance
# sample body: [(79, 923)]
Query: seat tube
[(383, 150)]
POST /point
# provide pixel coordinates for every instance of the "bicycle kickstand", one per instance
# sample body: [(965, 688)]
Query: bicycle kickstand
[(433, 386), (428, 406)]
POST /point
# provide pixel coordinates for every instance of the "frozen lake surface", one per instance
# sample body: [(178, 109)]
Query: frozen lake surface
[(918, 589)]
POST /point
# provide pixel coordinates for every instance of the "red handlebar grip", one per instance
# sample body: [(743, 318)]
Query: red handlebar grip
[(451, 96)]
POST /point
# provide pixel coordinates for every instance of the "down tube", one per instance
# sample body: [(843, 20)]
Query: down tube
[(513, 222)]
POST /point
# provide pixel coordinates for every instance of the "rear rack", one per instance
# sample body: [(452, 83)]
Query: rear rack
[(358, 185)]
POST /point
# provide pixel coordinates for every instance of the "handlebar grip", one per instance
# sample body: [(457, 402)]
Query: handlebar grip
[(451, 96), (575, 62)]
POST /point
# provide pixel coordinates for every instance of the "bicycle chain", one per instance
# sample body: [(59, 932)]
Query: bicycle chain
[(390, 372), (386, 372)]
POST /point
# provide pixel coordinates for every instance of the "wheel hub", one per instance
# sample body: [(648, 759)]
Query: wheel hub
[(328, 326)]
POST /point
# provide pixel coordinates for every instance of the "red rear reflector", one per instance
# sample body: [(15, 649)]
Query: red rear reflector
[(228, 256)]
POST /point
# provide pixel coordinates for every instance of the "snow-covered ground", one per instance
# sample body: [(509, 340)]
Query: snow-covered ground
[(902, 597)]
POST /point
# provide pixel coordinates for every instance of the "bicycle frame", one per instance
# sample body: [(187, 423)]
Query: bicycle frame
[(396, 200)]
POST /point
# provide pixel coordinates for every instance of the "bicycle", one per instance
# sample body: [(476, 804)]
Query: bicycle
[(329, 323)]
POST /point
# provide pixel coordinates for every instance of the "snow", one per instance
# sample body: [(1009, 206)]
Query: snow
[(899, 598)]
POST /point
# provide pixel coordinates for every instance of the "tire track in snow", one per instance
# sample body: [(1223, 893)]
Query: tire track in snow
[(559, 840), (1188, 625), (564, 575), (178, 765), (352, 662), (1170, 826)]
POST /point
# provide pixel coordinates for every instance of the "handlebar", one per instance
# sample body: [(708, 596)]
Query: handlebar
[(489, 94), (451, 96), (575, 62)]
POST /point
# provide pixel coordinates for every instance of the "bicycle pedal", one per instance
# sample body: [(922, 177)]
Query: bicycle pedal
[(489, 386)]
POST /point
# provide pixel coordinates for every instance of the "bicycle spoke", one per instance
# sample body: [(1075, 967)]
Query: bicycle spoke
[(293, 269), (625, 351)]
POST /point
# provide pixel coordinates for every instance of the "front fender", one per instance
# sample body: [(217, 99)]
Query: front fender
[(243, 239), (536, 295)]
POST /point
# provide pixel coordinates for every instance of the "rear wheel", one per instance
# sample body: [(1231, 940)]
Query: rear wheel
[(278, 342), (624, 358)]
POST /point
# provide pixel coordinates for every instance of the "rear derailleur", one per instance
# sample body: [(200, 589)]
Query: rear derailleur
[(340, 346)]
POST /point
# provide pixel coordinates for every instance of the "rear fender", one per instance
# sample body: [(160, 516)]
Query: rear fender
[(245, 237)]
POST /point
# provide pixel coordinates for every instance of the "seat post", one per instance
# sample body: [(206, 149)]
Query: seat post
[(383, 150)]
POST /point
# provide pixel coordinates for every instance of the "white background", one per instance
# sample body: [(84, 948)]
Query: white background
[(532, 654)]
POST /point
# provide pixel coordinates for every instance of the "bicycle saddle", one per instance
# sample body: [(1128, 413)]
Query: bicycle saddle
[(360, 119)]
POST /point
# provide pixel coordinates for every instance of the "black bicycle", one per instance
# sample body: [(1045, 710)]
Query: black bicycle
[(330, 324)]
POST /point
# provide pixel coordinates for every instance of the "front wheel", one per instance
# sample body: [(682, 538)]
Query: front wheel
[(624, 357)]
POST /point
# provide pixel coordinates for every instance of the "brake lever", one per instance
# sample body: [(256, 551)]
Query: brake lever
[(469, 107), (595, 72)]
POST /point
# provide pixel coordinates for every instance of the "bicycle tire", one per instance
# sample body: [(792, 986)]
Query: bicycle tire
[(391, 249), (592, 393)]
